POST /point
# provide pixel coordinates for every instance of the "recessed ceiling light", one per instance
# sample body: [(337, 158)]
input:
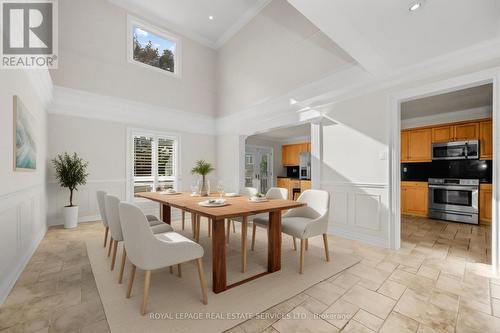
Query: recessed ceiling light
[(210, 17), (293, 101), (414, 6)]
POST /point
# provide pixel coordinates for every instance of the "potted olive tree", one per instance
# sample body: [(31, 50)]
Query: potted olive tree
[(71, 172), (203, 168)]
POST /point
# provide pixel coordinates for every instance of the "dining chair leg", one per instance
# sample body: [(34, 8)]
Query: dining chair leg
[(302, 250), (234, 228), (307, 244), (209, 227), (203, 284), (113, 259), (325, 241), (179, 272), (147, 282), (294, 244), (244, 244), (106, 236), (122, 267), (228, 223), (110, 245), (131, 280), (183, 218), (254, 228)]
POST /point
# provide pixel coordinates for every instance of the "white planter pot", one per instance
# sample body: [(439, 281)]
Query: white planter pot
[(70, 215)]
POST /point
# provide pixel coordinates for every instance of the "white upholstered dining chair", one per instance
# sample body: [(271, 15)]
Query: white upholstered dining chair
[(148, 252), (153, 220), (111, 204), (272, 193), (305, 222)]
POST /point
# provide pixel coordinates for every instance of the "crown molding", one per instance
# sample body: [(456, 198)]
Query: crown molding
[(84, 104), (157, 20)]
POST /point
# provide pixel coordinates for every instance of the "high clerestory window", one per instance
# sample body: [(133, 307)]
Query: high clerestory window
[(153, 48)]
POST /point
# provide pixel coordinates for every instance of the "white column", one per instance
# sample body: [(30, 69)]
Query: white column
[(316, 153)]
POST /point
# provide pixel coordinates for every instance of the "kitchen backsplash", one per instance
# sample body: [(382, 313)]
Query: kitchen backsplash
[(465, 169)]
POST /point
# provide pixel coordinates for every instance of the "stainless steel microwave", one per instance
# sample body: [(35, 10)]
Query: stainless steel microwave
[(457, 150)]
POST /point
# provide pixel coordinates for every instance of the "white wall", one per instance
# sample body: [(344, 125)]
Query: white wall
[(277, 51), (92, 57), (448, 117), (104, 145), (22, 194)]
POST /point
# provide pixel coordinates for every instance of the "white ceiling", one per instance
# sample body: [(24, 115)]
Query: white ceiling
[(284, 134), (190, 17), (466, 99), (385, 35)]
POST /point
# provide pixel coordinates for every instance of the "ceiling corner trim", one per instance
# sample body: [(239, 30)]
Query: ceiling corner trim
[(241, 22), (154, 19)]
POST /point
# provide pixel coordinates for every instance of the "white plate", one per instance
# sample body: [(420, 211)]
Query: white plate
[(232, 195), (169, 193), (214, 204), (257, 199)]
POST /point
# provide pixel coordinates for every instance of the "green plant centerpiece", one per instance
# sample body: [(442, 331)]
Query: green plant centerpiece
[(203, 168), (71, 172)]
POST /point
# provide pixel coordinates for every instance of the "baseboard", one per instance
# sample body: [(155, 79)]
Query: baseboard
[(16, 273), (359, 237)]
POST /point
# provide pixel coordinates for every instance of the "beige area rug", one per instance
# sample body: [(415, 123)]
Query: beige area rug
[(176, 302)]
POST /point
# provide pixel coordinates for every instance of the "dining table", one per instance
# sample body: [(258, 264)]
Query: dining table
[(237, 206)]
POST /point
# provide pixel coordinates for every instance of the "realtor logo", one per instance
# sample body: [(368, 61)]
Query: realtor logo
[(29, 37)]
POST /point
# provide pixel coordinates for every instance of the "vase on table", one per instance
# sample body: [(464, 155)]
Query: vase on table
[(204, 186)]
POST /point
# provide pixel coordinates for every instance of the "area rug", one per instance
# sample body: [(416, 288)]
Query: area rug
[(175, 302)]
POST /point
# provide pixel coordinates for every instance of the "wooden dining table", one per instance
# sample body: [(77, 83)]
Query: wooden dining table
[(237, 207)]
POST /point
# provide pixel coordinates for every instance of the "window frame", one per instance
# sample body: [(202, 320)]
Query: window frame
[(131, 133), (131, 23)]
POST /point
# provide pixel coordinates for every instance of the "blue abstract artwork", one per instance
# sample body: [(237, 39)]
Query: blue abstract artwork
[(24, 138)]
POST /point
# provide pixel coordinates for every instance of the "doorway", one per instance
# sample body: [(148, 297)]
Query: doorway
[(398, 149)]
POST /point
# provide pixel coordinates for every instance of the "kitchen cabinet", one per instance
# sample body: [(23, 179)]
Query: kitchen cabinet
[(419, 145), (467, 131), (291, 183), (305, 185), (414, 198), (404, 146), (442, 134), (290, 153), (485, 203), (486, 140)]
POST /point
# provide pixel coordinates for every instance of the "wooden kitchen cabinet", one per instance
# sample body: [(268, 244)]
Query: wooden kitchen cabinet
[(485, 203), (486, 140), (305, 185), (419, 145), (442, 134), (467, 131), (283, 182), (404, 146), (290, 154), (414, 198)]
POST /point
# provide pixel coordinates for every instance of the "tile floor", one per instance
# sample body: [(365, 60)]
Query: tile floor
[(437, 282)]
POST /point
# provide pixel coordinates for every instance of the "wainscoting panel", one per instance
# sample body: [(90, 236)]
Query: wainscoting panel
[(359, 211), (22, 225)]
